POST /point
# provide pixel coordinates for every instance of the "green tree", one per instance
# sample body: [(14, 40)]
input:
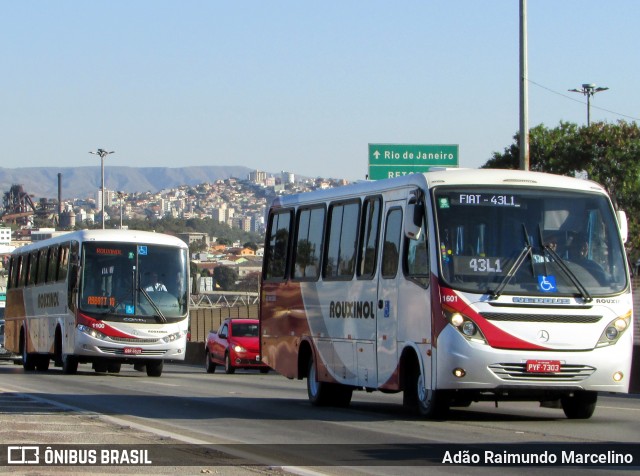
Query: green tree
[(225, 277), (608, 153)]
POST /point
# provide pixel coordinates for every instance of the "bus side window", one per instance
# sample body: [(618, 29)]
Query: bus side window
[(391, 246), (63, 262), (52, 272), (340, 252), (277, 245), (417, 258), (33, 268), (310, 227), (368, 249), (41, 276)]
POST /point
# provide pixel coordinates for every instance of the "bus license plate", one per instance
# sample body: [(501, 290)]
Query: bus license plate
[(132, 350), (543, 366)]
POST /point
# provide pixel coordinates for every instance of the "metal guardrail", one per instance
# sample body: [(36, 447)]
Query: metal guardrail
[(219, 299)]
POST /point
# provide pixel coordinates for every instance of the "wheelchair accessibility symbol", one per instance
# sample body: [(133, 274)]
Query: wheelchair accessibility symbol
[(547, 284)]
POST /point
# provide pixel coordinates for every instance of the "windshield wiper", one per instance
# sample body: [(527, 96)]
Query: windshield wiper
[(161, 316), (516, 266), (570, 274), (512, 271), (564, 268)]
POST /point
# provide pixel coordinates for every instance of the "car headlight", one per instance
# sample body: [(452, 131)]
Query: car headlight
[(239, 348), (90, 331)]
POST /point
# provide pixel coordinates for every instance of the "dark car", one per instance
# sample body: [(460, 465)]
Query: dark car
[(236, 345)]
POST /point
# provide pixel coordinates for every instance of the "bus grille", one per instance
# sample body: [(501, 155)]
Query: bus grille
[(127, 340), (568, 373), (559, 318), (112, 351)]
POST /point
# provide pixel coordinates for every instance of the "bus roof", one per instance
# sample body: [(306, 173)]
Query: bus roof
[(451, 176), (123, 236)]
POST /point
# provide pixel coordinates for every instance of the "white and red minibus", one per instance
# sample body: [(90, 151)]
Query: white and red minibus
[(452, 286)]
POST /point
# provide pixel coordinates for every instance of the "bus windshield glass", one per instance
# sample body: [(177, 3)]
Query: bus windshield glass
[(121, 281), (529, 242)]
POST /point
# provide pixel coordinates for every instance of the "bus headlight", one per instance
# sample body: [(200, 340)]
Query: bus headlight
[(614, 330), (172, 337), (90, 331), (469, 328), (465, 326)]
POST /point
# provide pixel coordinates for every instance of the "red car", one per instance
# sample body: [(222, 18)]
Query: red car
[(236, 345)]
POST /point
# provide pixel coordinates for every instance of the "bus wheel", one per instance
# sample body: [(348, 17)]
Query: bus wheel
[(28, 360), (209, 366), (318, 392), (154, 368), (114, 367), (228, 366), (580, 405), (42, 362), (69, 364), (424, 402)]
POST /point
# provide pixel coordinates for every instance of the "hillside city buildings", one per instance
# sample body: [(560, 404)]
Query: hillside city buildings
[(239, 203)]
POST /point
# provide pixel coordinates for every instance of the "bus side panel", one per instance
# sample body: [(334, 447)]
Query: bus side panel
[(14, 316), (283, 323)]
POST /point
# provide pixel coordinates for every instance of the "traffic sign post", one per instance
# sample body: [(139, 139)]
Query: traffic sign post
[(395, 160)]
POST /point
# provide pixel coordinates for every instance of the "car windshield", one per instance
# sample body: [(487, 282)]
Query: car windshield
[(528, 241), (245, 330), (128, 280)]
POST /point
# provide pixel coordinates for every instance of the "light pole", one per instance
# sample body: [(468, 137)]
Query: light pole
[(102, 153), (120, 195), (588, 90)]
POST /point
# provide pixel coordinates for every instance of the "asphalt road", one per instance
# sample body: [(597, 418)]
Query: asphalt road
[(196, 423)]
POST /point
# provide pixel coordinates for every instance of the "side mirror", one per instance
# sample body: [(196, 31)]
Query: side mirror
[(623, 225), (413, 220)]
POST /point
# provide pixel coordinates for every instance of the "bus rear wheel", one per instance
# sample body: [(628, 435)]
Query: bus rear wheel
[(325, 393), (580, 405)]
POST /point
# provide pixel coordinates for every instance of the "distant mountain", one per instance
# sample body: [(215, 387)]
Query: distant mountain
[(83, 182)]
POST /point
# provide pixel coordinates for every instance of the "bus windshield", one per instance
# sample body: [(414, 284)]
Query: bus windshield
[(529, 242), (121, 281)]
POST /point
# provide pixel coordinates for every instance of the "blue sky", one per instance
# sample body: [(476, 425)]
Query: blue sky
[(297, 85)]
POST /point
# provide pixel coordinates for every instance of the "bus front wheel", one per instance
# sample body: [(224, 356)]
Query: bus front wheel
[(28, 360), (69, 364), (580, 405), (420, 400), (154, 368)]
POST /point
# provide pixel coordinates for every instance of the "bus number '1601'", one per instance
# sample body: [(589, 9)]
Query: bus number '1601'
[(485, 265)]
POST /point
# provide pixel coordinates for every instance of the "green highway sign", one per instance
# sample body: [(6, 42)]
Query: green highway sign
[(395, 160)]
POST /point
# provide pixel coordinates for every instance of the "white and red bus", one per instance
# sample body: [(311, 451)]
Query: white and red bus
[(83, 297), (452, 286)]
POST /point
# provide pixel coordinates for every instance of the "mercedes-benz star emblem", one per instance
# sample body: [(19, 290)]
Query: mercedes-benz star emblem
[(543, 336)]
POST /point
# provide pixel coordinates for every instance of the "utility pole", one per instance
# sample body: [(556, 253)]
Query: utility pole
[(524, 90)]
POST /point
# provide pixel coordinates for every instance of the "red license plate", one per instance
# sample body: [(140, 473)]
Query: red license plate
[(543, 366), (132, 350)]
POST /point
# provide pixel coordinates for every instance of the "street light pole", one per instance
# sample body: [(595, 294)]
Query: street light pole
[(102, 153), (120, 195), (588, 90)]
